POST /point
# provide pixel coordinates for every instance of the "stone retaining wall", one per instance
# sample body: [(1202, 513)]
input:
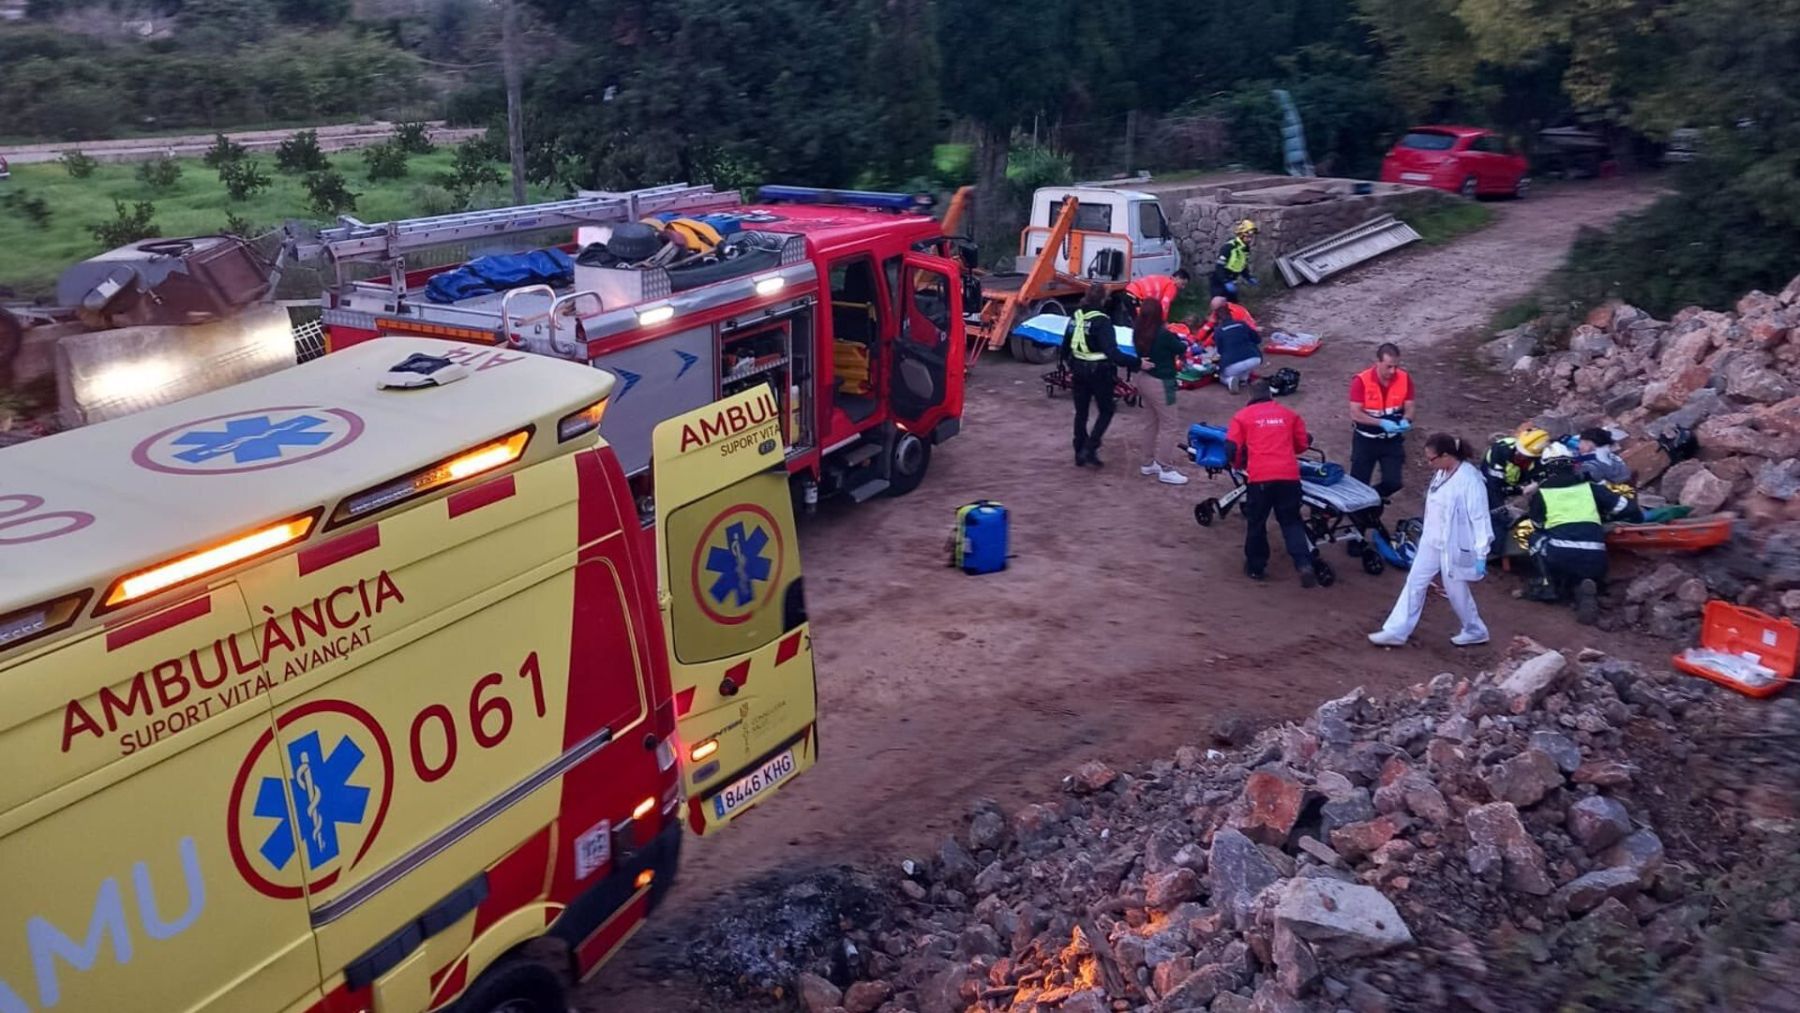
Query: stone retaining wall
[(1291, 213)]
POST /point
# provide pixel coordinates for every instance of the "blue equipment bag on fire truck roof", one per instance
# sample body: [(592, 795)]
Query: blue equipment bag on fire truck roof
[(979, 542)]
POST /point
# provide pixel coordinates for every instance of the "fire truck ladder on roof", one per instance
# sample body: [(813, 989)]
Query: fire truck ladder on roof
[(355, 241)]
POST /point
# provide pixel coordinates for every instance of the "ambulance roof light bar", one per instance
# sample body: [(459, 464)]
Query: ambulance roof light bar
[(846, 198)]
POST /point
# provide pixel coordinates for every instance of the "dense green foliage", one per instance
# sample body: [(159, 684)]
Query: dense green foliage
[(230, 63), (33, 251), (300, 153)]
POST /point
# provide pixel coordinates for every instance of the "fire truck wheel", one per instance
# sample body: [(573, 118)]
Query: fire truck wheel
[(515, 986), (912, 458)]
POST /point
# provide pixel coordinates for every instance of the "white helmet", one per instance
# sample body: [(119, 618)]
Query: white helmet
[(1557, 451)]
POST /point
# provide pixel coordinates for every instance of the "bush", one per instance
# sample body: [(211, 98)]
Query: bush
[(385, 161), (160, 173), (243, 179), (1029, 167), (29, 206), (128, 226), (1703, 246), (472, 169), (301, 154), (241, 227), (328, 195), (431, 200), (414, 138), (79, 164), (224, 151)]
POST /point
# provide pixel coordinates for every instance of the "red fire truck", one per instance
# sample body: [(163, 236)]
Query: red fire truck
[(842, 303)]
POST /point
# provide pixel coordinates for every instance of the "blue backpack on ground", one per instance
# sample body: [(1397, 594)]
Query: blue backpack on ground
[(979, 543)]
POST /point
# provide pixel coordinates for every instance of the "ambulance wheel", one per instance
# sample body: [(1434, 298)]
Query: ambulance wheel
[(1372, 562), (515, 986), (1322, 570), (1203, 512), (912, 457)]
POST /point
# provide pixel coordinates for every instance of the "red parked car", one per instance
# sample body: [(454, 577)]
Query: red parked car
[(1465, 160)]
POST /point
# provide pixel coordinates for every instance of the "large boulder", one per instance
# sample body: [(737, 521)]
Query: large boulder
[(1672, 389), (1236, 871), (1509, 346), (1340, 920), (1705, 492), (1496, 830), (1588, 343)]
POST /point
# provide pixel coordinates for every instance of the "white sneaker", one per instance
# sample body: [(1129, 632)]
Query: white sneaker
[(1169, 476), (1469, 639), (1382, 638), (1150, 469)]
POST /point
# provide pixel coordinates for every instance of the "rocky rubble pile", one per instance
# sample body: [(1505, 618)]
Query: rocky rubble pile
[(1733, 380), (1514, 840)]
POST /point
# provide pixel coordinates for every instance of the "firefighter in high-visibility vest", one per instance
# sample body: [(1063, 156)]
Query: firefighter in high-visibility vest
[(1231, 271), (1510, 464), (1093, 357), (1568, 542)]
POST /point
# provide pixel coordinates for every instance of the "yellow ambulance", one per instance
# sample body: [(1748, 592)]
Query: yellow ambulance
[(358, 687)]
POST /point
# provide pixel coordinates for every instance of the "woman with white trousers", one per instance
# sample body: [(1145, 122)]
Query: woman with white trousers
[(1453, 545)]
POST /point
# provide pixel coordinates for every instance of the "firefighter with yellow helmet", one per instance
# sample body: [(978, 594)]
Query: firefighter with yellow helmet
[(1511, 463), (1232, 270)]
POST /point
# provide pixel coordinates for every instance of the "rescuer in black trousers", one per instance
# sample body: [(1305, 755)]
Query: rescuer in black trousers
[(1092, 355)]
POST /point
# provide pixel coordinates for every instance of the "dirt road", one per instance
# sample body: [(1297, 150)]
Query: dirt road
[(1121, 629)]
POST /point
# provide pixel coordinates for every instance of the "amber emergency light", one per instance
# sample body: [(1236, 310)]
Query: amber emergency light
[(466, 465), (182, 569)]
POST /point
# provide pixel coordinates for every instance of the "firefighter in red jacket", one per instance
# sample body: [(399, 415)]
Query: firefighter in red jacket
[(1265, 439)]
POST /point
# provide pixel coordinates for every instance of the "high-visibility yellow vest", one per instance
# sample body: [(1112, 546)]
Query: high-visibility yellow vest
[(1237, 256), (1078, 343), (1569, 504)]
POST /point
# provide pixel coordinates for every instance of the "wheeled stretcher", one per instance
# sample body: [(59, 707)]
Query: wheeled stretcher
[(1334, 506)]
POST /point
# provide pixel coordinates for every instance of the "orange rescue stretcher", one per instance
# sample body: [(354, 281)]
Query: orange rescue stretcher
[(1685, 535)]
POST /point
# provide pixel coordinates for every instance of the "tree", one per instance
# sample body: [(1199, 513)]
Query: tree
[(904, 67), (1015, 77), (704, 91)]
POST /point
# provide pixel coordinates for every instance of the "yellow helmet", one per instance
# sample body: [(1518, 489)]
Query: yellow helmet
[(1533, 441), (1244, 228)]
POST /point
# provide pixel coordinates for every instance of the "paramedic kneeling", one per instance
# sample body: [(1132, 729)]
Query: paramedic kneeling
[(1265, 439), (1453, 545), (1568, 540), (1381, 408)]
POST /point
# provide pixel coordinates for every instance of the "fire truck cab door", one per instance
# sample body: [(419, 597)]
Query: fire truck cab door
[(739, 648), (925, 385)]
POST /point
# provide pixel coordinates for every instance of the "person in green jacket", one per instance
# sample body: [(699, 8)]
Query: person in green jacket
[(1159, 348)]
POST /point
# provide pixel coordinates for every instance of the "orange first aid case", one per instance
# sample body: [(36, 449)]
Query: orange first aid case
[(1749, 634)]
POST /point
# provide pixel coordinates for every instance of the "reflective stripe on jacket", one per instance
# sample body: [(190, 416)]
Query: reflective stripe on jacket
[(1078, 337)]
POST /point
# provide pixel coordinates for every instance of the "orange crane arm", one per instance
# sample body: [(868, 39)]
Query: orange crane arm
[(959, 207)]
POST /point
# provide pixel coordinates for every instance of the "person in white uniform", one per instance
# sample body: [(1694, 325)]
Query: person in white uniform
[(1453, 545)]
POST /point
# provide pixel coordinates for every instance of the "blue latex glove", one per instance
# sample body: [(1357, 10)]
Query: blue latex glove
[(1251, 279), (1481, 567), (1389, 426), (1402, 425), (1231, 288)]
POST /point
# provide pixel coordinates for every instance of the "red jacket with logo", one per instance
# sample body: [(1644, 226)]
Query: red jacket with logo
[(1270, 437)]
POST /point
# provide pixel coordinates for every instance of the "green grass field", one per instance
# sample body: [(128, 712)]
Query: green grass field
[(31, 258)]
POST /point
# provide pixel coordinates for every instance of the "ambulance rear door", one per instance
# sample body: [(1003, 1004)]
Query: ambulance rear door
[(740, 650)]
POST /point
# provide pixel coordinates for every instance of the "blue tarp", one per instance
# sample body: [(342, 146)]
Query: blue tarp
[(486, 275)]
